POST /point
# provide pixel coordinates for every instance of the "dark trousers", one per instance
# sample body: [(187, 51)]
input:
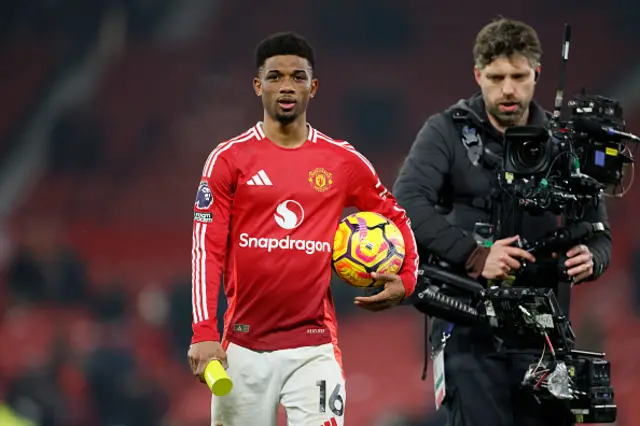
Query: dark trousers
[(483, 390)]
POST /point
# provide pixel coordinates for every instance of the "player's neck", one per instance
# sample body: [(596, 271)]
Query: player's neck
[(290, 135)]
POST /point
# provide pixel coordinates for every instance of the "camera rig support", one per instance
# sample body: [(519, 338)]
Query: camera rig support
[(581, 378), (531, 315)]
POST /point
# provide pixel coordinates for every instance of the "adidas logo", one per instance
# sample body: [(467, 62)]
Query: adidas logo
[(260, 178)]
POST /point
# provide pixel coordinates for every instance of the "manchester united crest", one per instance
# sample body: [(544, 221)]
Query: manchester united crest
[(320, 179)]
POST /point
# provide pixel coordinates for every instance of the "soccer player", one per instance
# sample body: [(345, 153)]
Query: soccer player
[(267, 208)]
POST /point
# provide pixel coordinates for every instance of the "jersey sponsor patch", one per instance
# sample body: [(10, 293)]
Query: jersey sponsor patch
[(204, 198), (287, 243), (203, 217)]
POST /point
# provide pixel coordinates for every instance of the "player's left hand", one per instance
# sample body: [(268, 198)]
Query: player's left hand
[(580, 263), (392, 294)]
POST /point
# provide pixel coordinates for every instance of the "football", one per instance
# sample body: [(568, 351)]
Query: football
[(367, 242)]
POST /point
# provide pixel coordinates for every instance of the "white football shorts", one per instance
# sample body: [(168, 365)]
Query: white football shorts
[(307, 381)]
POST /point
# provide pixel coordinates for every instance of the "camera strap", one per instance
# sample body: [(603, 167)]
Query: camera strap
[(481, 155), (472, 143), (471, 139)]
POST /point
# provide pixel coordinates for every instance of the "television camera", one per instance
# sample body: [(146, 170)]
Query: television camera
[(567, 165), (533, 316)]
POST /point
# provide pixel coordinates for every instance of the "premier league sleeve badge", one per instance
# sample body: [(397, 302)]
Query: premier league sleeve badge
[(204, 198)]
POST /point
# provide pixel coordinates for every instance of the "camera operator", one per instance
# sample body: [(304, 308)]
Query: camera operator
[(447, 186)]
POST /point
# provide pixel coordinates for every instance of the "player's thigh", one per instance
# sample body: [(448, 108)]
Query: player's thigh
[(478, 392), (314, 392), (255, 393)]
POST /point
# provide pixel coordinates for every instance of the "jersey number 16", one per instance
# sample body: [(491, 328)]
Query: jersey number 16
[(336, 403)]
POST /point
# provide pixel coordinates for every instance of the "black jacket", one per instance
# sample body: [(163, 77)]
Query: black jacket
[(438, 167)]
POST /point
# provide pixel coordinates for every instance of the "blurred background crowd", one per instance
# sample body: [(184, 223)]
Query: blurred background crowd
[(109, 109)]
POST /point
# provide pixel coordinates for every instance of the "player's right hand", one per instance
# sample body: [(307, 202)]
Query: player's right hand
[(201, 353), (502, 259)]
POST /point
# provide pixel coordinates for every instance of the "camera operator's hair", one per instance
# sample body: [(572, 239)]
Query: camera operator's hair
[(504, 38), (284, 43)]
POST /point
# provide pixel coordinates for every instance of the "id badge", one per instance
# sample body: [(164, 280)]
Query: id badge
[(439, 382), (437, 358)]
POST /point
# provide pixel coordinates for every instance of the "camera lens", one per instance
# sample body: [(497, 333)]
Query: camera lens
[(530, 154)]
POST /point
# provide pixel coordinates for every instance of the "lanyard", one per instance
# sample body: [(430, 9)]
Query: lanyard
[(447, 333)]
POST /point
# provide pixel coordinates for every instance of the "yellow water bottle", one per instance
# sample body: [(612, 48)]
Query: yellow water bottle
[(217, 378)]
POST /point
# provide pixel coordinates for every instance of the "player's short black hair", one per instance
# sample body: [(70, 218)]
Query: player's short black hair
[(284, 43)]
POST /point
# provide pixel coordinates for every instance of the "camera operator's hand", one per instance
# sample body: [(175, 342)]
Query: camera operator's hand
[(201, 353), (580, 263), (502, 259)]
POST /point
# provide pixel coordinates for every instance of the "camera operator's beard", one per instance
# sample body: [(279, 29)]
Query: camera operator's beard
[(507, 118)]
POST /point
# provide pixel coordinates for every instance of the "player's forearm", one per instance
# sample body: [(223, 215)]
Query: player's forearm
[(386, 205), (204, 306), (409, 271), (207, 259), (408, 276), (204, 332)]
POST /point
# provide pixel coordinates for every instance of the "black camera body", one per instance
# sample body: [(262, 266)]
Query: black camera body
[(532, 315), (592, 373), (566, 166), (601, 152)]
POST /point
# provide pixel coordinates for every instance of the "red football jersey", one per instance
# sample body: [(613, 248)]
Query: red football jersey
[(265, 218)]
